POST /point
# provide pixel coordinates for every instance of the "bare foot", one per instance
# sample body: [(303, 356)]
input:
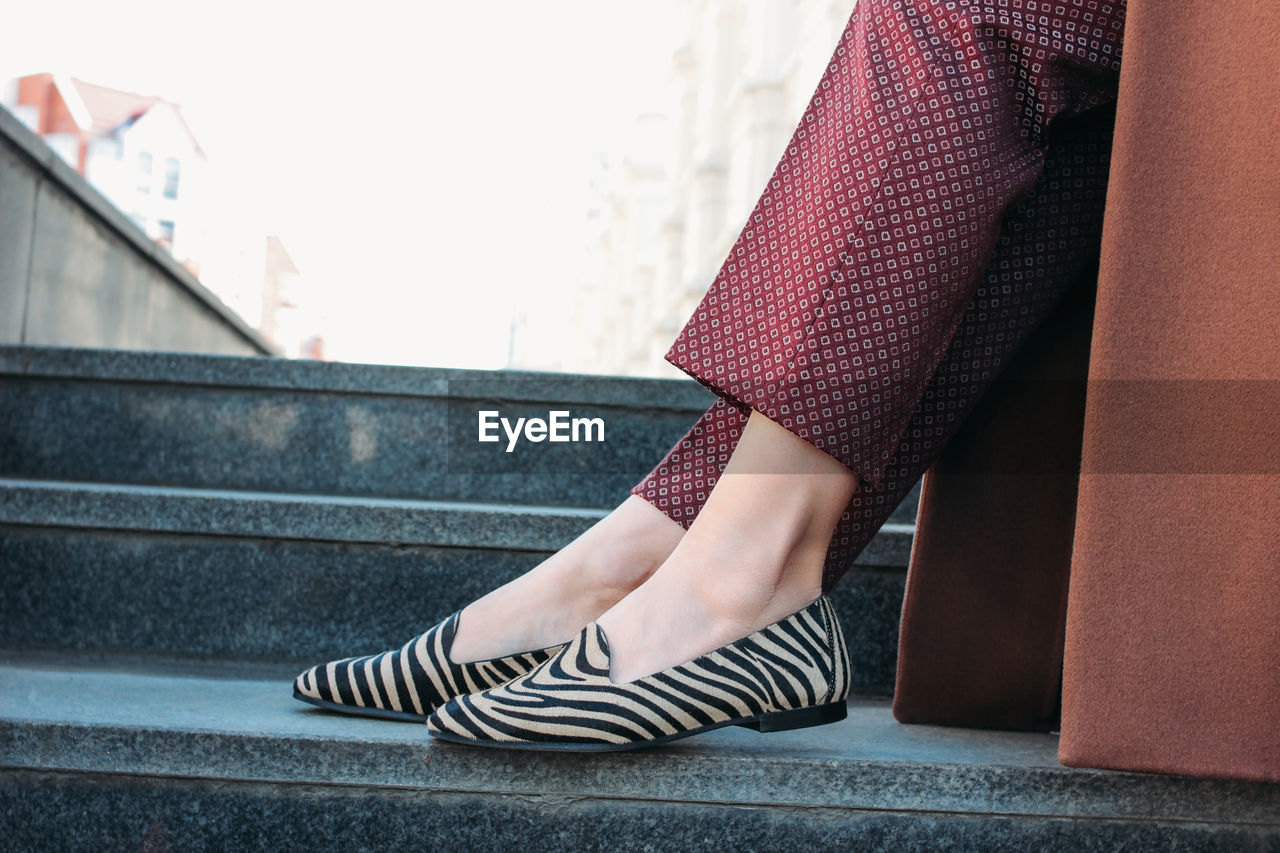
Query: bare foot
[(753, 556), (551, 602)]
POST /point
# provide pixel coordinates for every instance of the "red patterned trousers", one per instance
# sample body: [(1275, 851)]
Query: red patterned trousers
[(941, 194)]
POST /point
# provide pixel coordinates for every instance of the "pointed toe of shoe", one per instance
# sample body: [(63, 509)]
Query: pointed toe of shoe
[(409, 682), (304, 686)]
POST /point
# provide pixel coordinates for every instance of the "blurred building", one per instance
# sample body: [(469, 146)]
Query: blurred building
[(671, 205), (137, 150), (140, 153)]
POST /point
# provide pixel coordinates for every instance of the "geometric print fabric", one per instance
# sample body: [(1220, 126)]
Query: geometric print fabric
[(942, 192)]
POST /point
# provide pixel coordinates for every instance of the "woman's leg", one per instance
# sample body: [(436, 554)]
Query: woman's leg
[(754, 555), (838, 313), (865, 317), (1045, 243), (873, 293), (551, 602), (843, 292)]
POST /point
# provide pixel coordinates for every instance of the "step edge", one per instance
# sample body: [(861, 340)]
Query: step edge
[(333, 518), (161, 510), (235, 372), (154, 491), (1003, 797)]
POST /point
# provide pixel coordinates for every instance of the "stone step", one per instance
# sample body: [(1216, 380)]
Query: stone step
[(260, 576), (257, 423), (172, 760)]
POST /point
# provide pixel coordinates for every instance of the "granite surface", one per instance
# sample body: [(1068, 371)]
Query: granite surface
[(90, 589), (246, 372), (52, 812), (273, 439), (336, 518), (98, 720), (269, 515), (329, 428)]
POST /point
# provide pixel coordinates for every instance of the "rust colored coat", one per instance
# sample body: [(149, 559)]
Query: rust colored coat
[(1148, 585)]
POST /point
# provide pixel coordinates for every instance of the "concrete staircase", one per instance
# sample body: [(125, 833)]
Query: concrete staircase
[(180, 533)]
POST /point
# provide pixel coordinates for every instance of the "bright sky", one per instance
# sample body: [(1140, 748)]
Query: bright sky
[(425, 163)]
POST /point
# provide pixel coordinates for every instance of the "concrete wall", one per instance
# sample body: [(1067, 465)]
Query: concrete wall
[(75, 271)]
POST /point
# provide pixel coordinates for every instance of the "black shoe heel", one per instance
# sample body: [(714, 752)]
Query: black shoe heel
[(799, 718)]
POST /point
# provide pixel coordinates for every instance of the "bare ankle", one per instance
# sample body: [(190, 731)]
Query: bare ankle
[(739, 590), (751, 566), (754, 600), (551, 602), (624, 549)]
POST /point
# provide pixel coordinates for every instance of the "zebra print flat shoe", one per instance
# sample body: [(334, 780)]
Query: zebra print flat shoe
[(792, 674), (410, 682)]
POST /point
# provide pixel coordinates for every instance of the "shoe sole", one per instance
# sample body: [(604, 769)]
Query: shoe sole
[(776, 721), (357, 711)]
